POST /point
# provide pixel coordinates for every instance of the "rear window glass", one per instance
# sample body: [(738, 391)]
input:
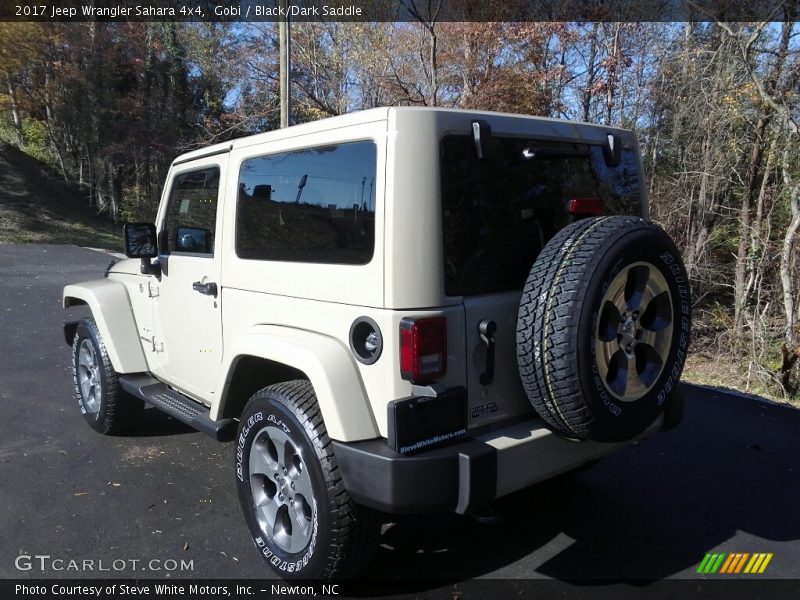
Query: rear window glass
[(499, 212), (312, 205)]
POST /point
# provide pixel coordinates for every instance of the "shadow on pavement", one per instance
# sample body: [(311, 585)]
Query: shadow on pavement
[(646, 513), (156, 423)]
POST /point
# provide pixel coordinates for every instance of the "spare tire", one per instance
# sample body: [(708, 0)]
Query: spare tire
[(603, 328)]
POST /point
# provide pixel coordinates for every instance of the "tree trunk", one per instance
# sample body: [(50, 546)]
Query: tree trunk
[(115, 191), (15, 114), (91, 178), (787, 249), (428, 21), (466, 88), (434, 66), (48, 112), (590, 75), (612, 73), (743, 261)]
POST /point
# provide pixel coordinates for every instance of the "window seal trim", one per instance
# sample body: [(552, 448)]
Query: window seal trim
[(183, 161), (276, 153), (163, 234)]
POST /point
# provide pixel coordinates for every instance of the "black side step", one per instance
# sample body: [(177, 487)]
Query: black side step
[(178, 406)]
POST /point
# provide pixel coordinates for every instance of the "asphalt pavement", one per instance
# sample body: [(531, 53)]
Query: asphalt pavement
[(725, 481)]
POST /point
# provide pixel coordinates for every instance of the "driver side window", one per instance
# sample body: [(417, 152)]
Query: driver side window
[(192, 213)]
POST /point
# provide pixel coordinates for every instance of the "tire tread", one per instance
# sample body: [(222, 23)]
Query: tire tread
[(355, 529), (120, 412), (548, 319)]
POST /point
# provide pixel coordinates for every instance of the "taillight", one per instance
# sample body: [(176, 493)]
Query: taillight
[(582, 207), (423, 349)]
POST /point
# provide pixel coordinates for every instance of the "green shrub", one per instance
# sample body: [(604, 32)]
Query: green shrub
[(37, 142)]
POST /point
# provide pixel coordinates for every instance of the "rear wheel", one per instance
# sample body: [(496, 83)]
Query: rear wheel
[(301, 518), (603, 328)]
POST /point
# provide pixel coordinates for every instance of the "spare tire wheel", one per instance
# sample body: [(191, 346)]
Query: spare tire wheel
[(603, 328)]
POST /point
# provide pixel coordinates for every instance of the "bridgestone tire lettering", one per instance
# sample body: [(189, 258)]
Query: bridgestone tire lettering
[(558, 322)]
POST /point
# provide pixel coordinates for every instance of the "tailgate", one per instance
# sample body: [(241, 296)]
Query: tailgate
[(497, 395)]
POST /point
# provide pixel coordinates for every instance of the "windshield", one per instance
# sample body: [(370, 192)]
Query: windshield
[(499, 212)]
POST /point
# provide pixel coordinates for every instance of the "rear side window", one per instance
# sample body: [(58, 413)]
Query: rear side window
[(192, 212), (498, 213), (312, 205)]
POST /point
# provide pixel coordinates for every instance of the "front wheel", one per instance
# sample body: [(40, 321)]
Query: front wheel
[(301, 518), (106, 406)]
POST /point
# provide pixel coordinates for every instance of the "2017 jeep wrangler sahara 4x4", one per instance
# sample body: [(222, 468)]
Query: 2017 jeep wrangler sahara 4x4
[(400, 310)]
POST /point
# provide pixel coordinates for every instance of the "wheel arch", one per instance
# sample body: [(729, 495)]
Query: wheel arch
[(270, 354), (112, 312)]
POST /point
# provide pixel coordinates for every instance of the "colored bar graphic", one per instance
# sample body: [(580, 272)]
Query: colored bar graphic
[(702, 566), (740, 564), (755, 562), (734, 563), (717, 563), (728, 563), (711, 563), (764, 564)]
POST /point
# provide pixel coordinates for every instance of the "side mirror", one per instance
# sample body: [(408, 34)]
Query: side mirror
[(612, 150), (141, 242)]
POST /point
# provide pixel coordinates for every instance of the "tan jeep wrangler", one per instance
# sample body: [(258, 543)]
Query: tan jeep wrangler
[(400, 310)]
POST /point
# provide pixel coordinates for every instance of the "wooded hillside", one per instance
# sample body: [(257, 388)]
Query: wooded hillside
[(715, 106)]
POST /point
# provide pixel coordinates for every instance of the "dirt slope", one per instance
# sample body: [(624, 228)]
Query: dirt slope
[(35, 206)]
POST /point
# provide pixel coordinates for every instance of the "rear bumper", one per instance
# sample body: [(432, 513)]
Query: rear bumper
[(465, 476)]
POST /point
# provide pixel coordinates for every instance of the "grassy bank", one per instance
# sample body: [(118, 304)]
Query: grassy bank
[(36, 206)]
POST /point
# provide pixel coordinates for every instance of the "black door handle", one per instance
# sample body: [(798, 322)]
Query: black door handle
[(487, 329), (208, 289)]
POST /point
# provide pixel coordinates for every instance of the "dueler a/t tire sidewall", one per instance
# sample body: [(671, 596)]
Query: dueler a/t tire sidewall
[(615, 420), (260, 413), (87, 330)]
